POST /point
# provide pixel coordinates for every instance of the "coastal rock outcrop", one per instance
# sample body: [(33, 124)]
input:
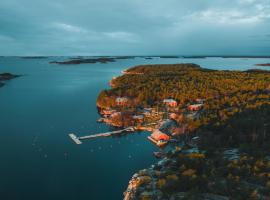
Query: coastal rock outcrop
[(183, 175)]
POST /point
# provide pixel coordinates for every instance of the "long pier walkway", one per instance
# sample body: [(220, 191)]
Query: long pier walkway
[(78, 140)]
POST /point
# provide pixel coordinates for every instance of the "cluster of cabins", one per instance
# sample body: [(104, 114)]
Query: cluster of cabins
[(123, 101), (192, 107), (158, 137)]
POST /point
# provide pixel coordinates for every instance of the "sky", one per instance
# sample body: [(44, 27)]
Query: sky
[(134, 27)]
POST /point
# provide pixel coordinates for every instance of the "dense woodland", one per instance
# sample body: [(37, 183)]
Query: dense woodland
[(235, 115), (226, 92)]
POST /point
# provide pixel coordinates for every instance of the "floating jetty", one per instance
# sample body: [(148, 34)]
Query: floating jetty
[(77, 140), (74, 138)]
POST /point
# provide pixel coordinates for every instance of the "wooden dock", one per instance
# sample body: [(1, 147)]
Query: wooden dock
[(77, 140)]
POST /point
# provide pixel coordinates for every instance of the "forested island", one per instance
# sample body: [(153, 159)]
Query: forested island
[(91, 60), (5, 77), (223, 118)]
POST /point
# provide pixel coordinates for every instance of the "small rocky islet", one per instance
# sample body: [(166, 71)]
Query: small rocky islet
[(6, 77), (219, 122)]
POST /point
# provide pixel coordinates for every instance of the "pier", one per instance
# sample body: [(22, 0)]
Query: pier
[(78, 140)]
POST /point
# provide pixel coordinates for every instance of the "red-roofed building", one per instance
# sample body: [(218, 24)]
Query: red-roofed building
[(170, 102), (195, 107), (158, 135), (121, 101)]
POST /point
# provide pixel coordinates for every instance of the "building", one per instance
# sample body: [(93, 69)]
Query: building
[(121, 101), (195, 107), (158, 135), (158, 138), (138, 117), (108, 111), (170, 102)]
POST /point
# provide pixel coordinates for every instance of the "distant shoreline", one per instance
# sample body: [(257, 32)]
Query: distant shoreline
[(263, 65), (144, 56)]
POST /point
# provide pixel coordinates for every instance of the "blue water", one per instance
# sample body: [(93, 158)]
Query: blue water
[(37, 111)]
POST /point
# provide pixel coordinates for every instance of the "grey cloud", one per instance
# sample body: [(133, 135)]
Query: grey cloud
[(120, 27)]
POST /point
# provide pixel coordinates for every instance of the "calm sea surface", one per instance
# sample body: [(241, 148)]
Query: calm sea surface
[(39, 161)]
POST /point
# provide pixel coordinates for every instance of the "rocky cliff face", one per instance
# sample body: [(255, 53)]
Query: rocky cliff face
[(144, 184)]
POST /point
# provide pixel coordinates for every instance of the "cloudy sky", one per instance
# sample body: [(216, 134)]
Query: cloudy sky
[(134, 27)]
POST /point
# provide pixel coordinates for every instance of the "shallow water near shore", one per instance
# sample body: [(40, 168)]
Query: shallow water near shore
[(40, 108)]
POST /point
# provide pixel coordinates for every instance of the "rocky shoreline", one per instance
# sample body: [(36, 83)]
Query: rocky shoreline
[(188, 174)]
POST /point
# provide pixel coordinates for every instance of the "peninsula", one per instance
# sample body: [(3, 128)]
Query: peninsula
[(216, 123)]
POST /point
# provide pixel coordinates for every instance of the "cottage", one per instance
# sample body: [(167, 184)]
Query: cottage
[(170, 102), (195, 107), (121, 101)]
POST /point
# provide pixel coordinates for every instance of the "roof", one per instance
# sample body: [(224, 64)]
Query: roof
[(196, 105), (168, 100), (121, 99), (138, 116), (158, 135)]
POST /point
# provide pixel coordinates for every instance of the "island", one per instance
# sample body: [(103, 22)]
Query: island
[(169, 56), (5, 77), (264, 64), (91, 60), (215, 123), (77, 61), (34, 57)]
